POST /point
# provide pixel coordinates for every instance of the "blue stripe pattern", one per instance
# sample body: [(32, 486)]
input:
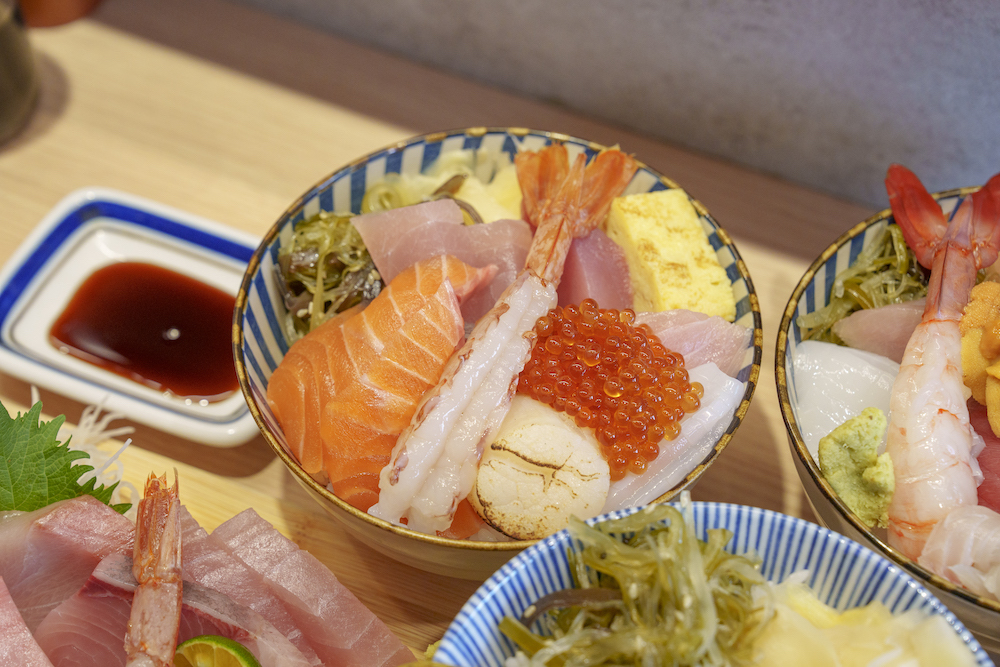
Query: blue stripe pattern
[(843, 573), (264, 344)]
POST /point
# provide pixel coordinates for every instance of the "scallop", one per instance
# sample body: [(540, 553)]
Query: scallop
[(540, 469)]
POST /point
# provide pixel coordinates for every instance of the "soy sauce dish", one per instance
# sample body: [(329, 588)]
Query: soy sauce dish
[(120, 301)]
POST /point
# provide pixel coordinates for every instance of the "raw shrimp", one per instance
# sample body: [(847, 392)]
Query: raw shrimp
[(434, 462), (151, 640), (929, 438)]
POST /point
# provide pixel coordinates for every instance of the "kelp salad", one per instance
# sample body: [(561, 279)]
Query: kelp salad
[(885, 272), (648, 592)]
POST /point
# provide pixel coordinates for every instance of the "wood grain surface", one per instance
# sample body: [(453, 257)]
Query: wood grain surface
[(231, 113)]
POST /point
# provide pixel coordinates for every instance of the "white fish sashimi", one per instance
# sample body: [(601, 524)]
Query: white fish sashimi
[(17, 647), (402, 237), (700, 338), (834, 383), (89, 628), (209, 563), (48, 554), (884, 330), (699, 433), (380, 231), (433, 466), (964, 547), (341, 630)]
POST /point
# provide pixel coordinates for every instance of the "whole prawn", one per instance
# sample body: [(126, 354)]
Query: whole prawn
[(434, 462), (151, 639), (930, 439)]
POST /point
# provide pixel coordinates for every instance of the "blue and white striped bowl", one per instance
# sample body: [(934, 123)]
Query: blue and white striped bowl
[(843, 574), (980, 615), (259, 344)]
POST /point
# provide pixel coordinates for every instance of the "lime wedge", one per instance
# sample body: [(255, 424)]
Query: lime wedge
[(213, 651)]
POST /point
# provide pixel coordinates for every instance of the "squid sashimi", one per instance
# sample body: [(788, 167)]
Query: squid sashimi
[(87, 629), (699, 434), (884, 330), (596, 269), (360, 375), (701, 339), (433, 464), (17, 647), (343, 632), (208, 562), (48, 554), (398, 238)]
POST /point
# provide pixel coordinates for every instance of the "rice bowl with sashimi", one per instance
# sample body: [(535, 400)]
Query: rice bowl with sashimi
[(356, 434), (824, 386)]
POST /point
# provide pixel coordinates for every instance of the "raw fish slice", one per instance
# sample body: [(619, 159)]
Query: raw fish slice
[(596, 269), (701, 339), (699, 433), (989, 459), (208, 562), (306, 377), (964, 547), (503, 243), (884, 330), (398, 239), (17, 647), (392, 353), (48, 554), (365, 371), (340, 628), (834, 383), (381, 231), (88, 629)]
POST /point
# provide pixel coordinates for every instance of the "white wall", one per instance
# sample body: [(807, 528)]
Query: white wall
[(820, 92)]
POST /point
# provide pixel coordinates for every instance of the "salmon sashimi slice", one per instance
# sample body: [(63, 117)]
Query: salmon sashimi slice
[(302, 380), (343, 632), (48, 554), (17, 647), (345, 392)]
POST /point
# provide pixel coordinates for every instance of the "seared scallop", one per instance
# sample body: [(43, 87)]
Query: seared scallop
[(540, 469)]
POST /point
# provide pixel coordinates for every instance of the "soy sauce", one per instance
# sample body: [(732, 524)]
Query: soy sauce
[(154, 326)]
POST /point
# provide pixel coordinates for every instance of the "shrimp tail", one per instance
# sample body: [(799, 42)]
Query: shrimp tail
[(967, 244), (151, 639), (566, 202), (919, 217)]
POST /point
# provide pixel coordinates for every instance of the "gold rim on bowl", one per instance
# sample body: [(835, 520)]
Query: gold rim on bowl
[(515, 545)]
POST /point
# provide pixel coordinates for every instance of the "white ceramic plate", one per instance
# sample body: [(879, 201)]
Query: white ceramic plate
[(86, 231)]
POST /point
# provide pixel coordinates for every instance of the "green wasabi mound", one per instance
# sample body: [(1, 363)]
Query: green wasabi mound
[(848, 458)]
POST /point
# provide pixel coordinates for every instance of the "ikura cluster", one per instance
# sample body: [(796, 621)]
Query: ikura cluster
[(611, 376)]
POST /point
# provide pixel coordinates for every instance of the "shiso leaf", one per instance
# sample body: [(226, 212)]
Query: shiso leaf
[(37, 470)]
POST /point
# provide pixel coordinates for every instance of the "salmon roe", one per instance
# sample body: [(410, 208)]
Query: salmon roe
[(609, 375)]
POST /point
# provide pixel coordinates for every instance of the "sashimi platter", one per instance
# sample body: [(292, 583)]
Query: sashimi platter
[(460, 341)]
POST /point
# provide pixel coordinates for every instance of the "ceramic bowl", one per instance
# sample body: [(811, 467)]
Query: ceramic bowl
[(259, 344), (841, 572), (980, 615)]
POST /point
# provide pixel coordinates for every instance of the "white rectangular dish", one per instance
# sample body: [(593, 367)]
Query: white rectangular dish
[(88, 230)]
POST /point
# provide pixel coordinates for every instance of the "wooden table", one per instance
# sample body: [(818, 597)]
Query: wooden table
[(230, 113)]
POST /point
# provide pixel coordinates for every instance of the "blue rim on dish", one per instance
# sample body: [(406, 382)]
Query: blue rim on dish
[(843, 573), (259, 342), (59, 238)]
